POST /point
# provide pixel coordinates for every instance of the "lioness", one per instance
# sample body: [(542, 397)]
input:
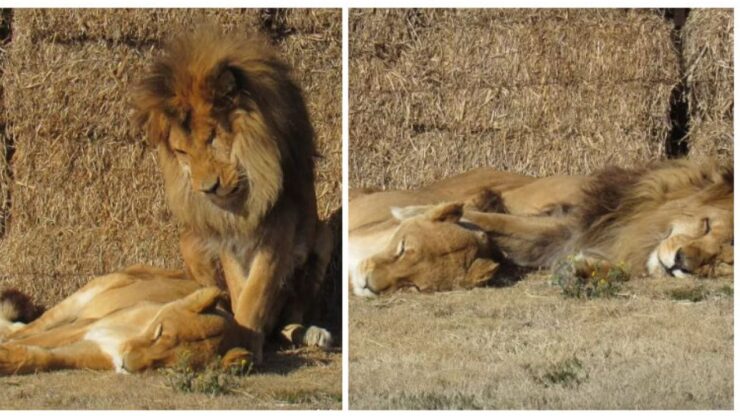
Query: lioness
[(236, 148), (671, 218), (129, 321)]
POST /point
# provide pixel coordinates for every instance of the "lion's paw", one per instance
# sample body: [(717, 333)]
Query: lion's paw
[(317, 337)]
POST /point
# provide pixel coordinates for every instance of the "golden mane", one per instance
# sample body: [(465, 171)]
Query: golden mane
[(274, 143), (626, 210)]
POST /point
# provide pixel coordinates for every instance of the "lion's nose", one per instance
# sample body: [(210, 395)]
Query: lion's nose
[(210, 187)]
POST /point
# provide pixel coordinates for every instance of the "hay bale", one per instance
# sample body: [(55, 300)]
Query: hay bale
[(87, 195), (708, 53), (438, 92), (132, 26)]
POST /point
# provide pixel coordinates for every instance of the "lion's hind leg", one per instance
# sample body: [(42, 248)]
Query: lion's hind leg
[(18, 358)]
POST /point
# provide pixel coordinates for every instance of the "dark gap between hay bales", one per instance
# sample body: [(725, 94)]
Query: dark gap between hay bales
[(7, 147), (676, 142), (88, 197)]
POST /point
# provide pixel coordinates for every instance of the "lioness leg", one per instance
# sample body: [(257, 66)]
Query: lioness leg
[(16, 358), (527, 241), (200, 261), (66, 310)]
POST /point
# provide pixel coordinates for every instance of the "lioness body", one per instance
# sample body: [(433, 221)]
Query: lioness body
[(669, 219), (372, 225), (236, 149), (128, 321)]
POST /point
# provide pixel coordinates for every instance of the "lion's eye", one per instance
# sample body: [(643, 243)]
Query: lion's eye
[(706, 226), (211, 138), (180, 151)]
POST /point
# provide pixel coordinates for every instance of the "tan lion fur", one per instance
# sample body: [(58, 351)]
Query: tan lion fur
[(133, 320), (672, 217), (236, 149)]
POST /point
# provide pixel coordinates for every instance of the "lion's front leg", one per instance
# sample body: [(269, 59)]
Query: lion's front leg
[(200, 261), (526, 241), (255, 295)]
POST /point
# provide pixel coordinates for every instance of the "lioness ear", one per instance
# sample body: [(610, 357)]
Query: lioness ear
[(451, 212), (201, 299), (404, 213)]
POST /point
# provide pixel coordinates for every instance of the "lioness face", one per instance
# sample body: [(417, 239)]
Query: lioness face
[(202, 139), (430, 251), (180, 330), (696, 239)]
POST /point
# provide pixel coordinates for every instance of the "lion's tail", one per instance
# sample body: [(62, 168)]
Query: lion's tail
[(16, 306)]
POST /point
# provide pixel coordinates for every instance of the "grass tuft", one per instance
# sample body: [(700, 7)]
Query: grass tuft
[(578, 279), (213, 380), (567, 373), (435, 401)]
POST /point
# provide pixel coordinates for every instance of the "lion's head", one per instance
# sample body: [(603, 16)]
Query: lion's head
[(699, 233), (186, 328), (674, 218), (430, 250), (230, 124)]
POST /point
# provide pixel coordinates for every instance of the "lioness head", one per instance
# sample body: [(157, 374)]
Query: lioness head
[(182, 329), (227, 118), (431, 250), (699, 233)]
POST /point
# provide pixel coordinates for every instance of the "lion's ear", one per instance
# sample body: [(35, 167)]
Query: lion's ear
[(404, 213), (226, 85)]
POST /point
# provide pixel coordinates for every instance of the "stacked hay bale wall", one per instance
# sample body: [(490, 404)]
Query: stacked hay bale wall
[(708, 57), (438, 92), (87, 196)]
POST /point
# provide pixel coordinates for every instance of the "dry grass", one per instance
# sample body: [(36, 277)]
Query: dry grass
[(300, 379), (437, 92), (86, 196), (708, 53), (529, 347)]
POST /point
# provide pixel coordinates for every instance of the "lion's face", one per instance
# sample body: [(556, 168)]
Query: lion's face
[(180, 330), (695, 239), (429, 251), (204, 149)]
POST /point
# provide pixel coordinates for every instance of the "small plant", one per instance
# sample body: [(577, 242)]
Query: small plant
[(691, 294), (578, 278), (435, 401), (212, 380), (567, 373)]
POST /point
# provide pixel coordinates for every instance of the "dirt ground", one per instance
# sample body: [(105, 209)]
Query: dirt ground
[(289, 379), (658, 344)]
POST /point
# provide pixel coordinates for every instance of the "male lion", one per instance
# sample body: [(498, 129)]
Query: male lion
[(668, 219), (129, 321), (236, 150)]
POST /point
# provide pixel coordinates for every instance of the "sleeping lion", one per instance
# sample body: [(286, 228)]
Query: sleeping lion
[(672, 218)]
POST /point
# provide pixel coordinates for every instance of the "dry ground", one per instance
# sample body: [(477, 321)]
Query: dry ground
[(528, 347), (291, 379)]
